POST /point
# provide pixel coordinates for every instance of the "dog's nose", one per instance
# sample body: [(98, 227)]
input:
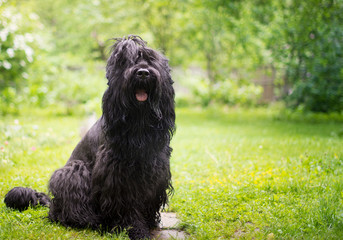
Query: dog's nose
[(143, 73)]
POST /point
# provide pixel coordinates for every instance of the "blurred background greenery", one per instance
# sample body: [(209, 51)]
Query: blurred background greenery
[(238, 52)]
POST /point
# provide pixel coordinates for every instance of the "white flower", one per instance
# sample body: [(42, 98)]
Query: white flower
[(3, 35), (13, 27), (29, 58), (22, 63), (6, 64), (96, 2), (2, 1), (25, 75), (19, 42), (29, 53), (10, 52), (28, 37), (33, 16)]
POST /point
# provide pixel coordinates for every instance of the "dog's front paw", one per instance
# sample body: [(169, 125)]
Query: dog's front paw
[(138, 233)]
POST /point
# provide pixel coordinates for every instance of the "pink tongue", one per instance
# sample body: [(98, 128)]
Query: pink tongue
[(141, 95)]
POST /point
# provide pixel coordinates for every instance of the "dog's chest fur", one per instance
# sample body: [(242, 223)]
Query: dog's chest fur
[(128, 167)]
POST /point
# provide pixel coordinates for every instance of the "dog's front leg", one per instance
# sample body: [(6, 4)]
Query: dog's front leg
[(139, 230)]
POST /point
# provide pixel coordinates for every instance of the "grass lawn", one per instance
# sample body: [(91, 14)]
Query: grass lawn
[(237, 174)]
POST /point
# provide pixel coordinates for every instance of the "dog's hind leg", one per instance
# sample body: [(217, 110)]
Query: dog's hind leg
[(70, 187)]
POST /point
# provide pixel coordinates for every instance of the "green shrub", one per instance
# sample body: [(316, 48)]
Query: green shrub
[(66, 82), (16, 55), (307, 43), (228, 92), (322, 91)]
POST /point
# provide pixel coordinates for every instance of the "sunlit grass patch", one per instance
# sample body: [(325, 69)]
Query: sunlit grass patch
[(237, 174)]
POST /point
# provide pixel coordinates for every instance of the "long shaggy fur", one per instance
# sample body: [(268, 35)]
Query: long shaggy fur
[(118, 176), (21, 198)]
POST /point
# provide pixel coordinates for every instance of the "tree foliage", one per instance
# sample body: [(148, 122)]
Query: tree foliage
[(308, 44), (17, 44), (227, 41)]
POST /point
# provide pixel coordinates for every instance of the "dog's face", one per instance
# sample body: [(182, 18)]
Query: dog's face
[(138, 76), (139, 100)]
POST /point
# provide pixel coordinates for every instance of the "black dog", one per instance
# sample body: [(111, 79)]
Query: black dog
[(118, 176)]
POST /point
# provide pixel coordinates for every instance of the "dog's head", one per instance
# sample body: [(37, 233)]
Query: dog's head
[(140, 90), (138, 76)]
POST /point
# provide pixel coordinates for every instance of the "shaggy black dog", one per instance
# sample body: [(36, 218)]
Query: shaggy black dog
[(118, 176)]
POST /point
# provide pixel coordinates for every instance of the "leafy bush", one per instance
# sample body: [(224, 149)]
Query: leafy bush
[(47, 78), (322, 88), (307, 42), (17, 54), (228, 92), (67, 83)]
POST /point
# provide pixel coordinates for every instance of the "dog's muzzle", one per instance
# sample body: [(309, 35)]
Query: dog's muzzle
[(143, 76)]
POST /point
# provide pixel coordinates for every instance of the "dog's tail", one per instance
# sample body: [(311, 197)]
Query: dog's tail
[(21, 198)]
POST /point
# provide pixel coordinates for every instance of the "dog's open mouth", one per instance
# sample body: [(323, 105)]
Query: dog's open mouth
[(141, 95)]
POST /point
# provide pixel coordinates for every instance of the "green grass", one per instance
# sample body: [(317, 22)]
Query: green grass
[(249, 174)]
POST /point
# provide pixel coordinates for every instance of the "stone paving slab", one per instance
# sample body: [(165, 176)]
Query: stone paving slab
[(169, 228), (169, 234), (169, 220)]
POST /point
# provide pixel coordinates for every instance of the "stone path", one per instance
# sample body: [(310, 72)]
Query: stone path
[(169, 229)]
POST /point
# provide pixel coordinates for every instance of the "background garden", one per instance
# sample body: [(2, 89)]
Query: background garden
[(259, 95)]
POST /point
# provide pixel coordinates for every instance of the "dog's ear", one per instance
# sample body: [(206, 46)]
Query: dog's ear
[(110, 67)]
